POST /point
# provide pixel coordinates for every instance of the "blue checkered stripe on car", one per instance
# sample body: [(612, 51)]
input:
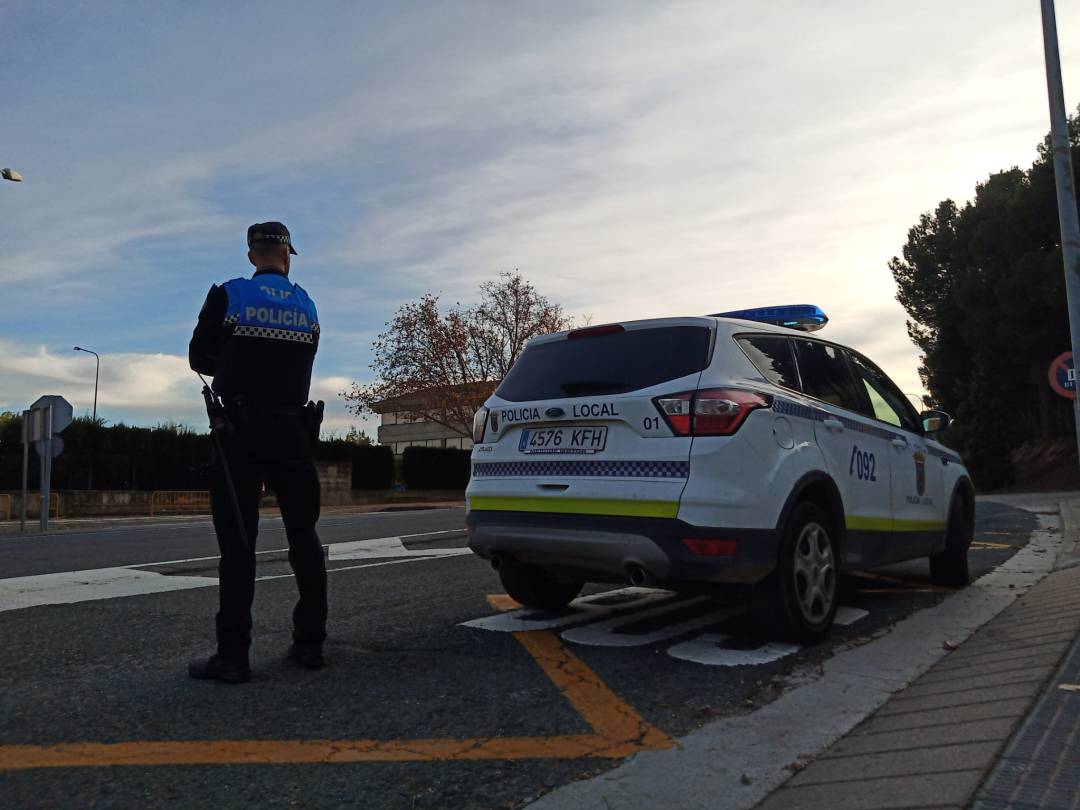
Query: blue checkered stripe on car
[(583, 468), (798, 410)]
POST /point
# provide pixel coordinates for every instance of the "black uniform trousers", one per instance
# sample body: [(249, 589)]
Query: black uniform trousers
[(271, 446)]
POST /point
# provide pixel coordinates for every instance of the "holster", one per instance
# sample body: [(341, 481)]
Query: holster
[(313, 418)]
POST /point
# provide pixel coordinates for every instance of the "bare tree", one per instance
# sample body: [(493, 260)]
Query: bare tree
[(440, 367)]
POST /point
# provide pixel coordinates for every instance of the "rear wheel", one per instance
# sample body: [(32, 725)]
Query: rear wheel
[(798, 600), (950, 567), (536, 588)]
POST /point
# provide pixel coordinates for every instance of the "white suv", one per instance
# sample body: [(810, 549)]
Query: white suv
[(711, 453)]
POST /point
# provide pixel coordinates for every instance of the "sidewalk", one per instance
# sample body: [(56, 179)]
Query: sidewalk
[(986, 727)]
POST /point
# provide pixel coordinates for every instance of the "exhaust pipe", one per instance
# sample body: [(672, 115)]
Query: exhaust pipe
[(639, 576), (496, 561)]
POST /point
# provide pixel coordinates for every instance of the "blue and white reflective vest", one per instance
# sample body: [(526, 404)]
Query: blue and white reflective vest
[(270, 306)]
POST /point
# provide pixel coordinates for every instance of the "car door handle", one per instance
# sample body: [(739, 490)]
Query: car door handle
[(900, 444), (832, 424)]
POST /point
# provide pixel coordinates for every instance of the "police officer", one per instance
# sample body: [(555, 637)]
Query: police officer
[(258, 337)]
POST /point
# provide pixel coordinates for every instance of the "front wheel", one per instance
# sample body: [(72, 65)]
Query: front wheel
[(798, 601), (536, 588), (950, 567)]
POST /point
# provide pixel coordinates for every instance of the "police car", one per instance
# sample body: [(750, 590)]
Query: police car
[(731, 452)]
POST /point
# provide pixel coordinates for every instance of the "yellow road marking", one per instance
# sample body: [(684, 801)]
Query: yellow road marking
[(618, 731), (502, 601), (907, 584)]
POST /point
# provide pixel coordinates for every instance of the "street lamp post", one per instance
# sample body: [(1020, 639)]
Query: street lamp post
[(11, 174), (97, 371), (1066, 191)]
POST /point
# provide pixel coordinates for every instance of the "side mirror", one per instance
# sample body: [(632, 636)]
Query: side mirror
[(935, 421)]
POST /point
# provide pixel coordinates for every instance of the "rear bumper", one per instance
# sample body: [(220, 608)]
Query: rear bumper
[(605, 549)]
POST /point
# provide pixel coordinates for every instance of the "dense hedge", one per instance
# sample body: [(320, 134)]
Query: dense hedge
[(163, 457), (372, 465), (435, 468)]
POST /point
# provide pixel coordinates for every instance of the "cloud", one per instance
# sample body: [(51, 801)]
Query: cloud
[(133, 388), (632, 159)]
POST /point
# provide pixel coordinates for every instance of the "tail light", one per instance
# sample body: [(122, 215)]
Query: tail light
[(479, 425), (713, 412), (711, 548), (596, 331)]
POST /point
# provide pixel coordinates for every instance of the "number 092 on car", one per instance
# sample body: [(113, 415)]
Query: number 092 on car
[(570, 441)]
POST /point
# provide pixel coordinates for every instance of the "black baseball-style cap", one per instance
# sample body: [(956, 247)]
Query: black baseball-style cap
[(270, 233)]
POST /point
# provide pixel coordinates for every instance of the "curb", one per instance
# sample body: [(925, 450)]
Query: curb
[(740, 761)]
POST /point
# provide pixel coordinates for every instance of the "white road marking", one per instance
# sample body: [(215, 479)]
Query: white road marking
[(582, 609), (709, 649), (591, 622), (67, 587), (718, 649), (83, 586), (849, 615), (606, 633), (381, 541), (383, 547)]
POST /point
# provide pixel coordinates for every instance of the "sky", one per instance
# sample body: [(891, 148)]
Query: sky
[(631, 159)]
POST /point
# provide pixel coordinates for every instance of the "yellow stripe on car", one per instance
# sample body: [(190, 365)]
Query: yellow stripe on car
[(576, 506), (873, 524)]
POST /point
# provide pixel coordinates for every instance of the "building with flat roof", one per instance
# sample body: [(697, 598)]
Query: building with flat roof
[(409, 422)]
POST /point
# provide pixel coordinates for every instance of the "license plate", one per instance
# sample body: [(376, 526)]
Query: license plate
[(570, 441)]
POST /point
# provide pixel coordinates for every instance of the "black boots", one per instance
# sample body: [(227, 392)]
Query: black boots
[(216, 668)]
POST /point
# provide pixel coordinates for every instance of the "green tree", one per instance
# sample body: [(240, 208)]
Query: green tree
[(984, 290)]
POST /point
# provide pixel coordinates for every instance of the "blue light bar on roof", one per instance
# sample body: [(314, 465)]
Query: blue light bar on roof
[(804, 317)]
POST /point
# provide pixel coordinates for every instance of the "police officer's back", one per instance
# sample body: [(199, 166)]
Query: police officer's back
[(258, 336)]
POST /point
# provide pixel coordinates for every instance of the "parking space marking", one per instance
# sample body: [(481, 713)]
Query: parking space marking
[(722, 650), (619, 731), (607, 633), (599, 620), (581, 610)]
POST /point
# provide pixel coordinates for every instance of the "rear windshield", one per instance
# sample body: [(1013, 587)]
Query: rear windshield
[(606, 364)]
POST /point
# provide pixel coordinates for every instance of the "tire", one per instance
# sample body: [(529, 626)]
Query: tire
[(536, 588), (798, 601), (950, 567)]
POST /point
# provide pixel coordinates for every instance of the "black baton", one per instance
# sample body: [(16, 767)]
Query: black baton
[(219, 421)]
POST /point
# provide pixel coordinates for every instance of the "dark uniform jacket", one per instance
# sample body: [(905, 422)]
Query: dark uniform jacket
[(258, 337)]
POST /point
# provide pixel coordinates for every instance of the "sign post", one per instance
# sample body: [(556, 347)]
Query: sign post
[(1063, 175), (25, 466), (48, 416)]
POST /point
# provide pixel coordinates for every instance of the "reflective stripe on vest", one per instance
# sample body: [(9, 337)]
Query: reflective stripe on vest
[(270, 306)]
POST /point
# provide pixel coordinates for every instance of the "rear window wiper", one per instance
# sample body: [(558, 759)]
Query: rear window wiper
[(591, 386)]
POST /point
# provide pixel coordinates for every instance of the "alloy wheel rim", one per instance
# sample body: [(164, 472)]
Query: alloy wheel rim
[(815, 572)]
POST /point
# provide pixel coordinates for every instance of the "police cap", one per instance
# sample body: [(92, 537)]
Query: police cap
[(269, 233)]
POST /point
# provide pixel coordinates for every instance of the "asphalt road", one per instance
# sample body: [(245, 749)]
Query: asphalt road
[(406, 684)]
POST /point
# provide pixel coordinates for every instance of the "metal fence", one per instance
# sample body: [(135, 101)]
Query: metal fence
[(33, 504), (179, 501)]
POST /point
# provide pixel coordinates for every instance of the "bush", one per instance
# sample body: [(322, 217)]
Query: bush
[(372, 465), (163, 457), (436, 468)]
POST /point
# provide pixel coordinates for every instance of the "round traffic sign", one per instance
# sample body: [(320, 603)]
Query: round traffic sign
[(1062, 375)]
